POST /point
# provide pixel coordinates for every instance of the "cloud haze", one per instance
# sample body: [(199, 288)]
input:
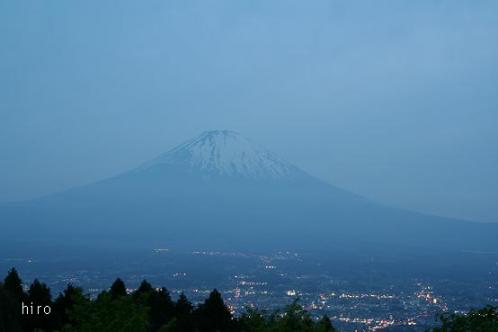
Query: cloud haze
[(396, 101)]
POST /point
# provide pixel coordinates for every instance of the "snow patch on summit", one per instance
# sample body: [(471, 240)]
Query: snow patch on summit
[(224, 152)]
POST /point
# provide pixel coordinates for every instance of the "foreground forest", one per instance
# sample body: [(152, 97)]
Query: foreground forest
[(149, 309)]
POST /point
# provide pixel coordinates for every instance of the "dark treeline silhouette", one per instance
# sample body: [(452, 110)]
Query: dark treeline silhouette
[(146, 309), (482, 320), (150, 309)]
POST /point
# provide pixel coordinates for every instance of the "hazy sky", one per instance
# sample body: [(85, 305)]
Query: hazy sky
[(395, 100)]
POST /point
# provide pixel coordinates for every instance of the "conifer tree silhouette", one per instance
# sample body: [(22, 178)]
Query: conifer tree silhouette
[(162, 308), (324, 325), (183, 313), (213, 314), (65, 303), (13, 285), (10, 319), (118, 289), (144, 287), (39, 296)]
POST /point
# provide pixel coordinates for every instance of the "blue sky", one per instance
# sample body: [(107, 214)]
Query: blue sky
[(395, 100)]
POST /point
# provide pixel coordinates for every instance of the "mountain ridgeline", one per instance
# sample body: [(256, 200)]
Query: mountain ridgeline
[(220, 190)]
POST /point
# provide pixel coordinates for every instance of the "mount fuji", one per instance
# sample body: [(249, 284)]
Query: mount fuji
[(221, 190)]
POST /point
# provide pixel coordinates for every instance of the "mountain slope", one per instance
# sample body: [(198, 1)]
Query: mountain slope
[(220, 190), (226, 153)]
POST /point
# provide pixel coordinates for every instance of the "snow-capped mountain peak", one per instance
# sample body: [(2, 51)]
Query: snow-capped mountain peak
[(225, 152)]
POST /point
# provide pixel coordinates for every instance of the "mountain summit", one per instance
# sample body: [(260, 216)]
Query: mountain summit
[(226, 153)]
